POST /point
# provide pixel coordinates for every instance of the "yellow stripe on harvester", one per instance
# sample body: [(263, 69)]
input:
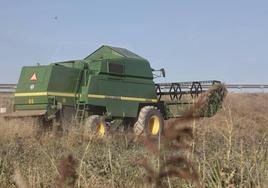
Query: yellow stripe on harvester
[(138, 99), (96, 96), (121, 98), (31, 94), (60, 94), (44, 94)]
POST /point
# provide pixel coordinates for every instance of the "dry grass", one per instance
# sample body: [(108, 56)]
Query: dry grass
[(227, 150), (6, 101)]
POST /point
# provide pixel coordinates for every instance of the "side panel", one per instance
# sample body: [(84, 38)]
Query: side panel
[(40, 86), (121, 96), (32, 87), (63, 84)]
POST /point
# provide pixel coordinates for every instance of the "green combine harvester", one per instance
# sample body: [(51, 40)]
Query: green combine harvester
[(111, 83)]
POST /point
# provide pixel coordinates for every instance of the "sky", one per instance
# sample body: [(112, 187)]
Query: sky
[(193, 40)]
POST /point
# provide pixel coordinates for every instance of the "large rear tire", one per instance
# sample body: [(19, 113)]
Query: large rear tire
[(95, 125), (150, 122)]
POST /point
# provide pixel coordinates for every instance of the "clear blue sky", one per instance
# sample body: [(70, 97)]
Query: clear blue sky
[(192, 40)]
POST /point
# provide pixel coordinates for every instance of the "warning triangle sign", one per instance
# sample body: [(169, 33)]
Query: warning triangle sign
[(33, 77)]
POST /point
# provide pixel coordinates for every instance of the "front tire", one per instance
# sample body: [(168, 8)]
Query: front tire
[(95, 125), (150, 122)]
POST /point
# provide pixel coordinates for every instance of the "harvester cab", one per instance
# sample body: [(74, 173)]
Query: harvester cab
[(111, 83)]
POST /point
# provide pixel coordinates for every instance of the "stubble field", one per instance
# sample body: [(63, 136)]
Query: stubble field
[(227, 150)]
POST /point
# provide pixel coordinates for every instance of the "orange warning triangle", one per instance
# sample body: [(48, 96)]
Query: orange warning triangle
[(33, 77)]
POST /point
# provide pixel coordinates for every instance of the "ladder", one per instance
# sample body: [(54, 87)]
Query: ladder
[(80, 112)]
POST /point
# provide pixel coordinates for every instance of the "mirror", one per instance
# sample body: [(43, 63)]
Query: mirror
[(159, 73), (163, 72)]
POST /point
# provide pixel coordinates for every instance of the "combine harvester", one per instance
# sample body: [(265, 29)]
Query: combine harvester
[(111, 83)]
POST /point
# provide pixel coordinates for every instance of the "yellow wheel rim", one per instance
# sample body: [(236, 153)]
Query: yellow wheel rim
[(154, 125), (101, 130)]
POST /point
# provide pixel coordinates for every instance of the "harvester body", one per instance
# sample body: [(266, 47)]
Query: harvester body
[(111, 82), (106, 81)]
